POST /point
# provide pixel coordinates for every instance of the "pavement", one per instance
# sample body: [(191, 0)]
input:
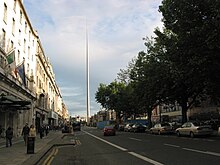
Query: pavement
[(17, 153)]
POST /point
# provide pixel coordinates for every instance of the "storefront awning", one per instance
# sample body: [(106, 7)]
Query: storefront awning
[(13, 103)]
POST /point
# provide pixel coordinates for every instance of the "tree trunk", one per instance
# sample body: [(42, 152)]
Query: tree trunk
[(149, 114), (184, 111)]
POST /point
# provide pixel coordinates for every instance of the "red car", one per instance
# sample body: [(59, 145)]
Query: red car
[(109, 130)]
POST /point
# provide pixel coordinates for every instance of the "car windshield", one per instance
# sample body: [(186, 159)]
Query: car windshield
[(197, 123)]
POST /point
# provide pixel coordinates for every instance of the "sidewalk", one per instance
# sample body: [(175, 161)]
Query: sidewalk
[(17, 154)]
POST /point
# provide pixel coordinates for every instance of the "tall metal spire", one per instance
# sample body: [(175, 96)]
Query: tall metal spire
[(87, 76)]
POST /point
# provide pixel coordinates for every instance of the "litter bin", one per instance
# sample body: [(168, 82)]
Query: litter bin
[(30, 145)]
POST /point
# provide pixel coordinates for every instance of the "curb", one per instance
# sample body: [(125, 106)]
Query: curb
[(36, 159)]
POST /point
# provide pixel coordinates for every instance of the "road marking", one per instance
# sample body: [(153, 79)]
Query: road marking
[(171, 145), (145, 158), (78, 142), (203, 152), (124, 149), (135, 139), (120, 148), (50, 157)]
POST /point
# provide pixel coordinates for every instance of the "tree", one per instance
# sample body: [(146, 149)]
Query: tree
[(114, 96), (191, 41)]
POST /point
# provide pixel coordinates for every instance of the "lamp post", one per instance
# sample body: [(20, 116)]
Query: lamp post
[(42, 108)]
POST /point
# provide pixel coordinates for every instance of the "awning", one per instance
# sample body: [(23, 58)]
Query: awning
[(12, 103)]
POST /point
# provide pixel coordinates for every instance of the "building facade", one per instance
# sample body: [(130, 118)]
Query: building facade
[(28, 90)]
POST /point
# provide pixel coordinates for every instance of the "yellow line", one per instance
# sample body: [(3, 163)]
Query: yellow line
[(55, 152), (49, 157), (77, 142)]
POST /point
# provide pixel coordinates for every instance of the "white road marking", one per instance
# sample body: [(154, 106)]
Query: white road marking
[(124, 149), (203, 152), (171, 145), (145, 158), (135, 139), (120, 148)]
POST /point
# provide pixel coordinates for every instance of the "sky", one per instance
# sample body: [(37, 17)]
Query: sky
[(116, 29)]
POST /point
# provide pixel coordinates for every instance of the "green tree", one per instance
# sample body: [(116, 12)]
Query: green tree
[(114, 96), (191, 42)]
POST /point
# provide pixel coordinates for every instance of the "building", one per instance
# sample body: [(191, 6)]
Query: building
[(28, 90), (17, 51)]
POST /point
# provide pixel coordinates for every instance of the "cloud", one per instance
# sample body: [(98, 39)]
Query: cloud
[(115, 32)]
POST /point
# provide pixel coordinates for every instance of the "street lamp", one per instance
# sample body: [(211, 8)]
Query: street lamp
[(42, 104)]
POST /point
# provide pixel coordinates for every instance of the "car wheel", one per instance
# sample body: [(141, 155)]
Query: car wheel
[(191, 134), (178, 133), (151, 131)]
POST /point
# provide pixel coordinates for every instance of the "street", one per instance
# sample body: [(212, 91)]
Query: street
[(135, 148)]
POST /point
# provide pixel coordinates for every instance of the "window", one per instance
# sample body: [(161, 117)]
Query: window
[(19, 37), (12, 45), (13, 26), (3, 40), (5, 13), (21, 17), (25, 28), (29, 37), (24, 45), (29, 52), (28, 68), (19, 56), (15, 4)]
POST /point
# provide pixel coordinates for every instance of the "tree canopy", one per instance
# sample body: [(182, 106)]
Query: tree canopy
[(181, 63)]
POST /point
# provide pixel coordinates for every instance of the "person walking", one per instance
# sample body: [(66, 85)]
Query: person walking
[(32, 132), (9, 136), (41, 131), (46, 130), (25, 133)]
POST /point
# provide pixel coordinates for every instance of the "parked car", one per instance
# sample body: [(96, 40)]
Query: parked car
[(109, 130), (138, 128), (121, 127), (194, 129), (176, 125), (127, 127), (162, 128), (214, 123)]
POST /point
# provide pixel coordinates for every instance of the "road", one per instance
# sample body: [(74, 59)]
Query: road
[(92, 148)]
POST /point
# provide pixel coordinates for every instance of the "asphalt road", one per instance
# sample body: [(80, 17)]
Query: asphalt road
[(92, 148)]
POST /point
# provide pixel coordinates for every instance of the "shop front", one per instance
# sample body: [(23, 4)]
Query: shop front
[(53, 119)]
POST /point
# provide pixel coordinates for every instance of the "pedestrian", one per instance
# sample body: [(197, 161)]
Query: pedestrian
[(1, 130), (46, 130), (32, 132), (41, 131), (9, 135), (25, 133)]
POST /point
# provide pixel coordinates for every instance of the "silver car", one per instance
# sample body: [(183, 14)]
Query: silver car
[(194, 129), (161, 128)]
